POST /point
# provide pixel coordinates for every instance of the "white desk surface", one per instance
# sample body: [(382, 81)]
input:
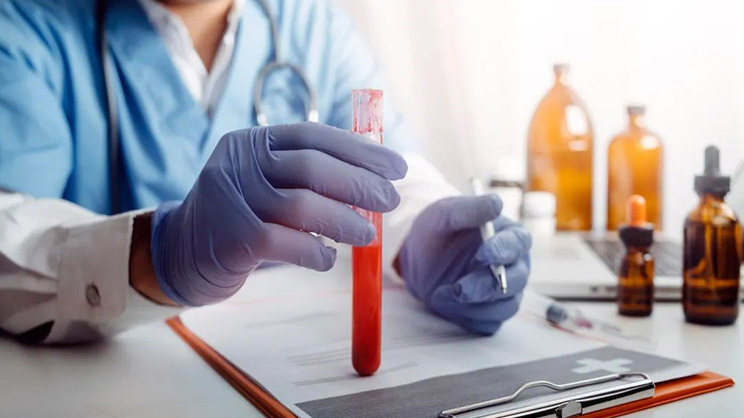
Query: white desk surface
[(150, 372)]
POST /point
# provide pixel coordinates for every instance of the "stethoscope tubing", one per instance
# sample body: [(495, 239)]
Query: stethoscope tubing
[(278, 63), (112, 116)]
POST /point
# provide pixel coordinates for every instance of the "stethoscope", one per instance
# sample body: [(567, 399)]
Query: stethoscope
[(277, 63)]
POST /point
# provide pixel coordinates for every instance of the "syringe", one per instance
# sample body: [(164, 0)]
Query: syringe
[(570, 318)]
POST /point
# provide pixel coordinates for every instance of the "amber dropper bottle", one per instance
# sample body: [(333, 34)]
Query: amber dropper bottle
[(712, 251), (635, 291)]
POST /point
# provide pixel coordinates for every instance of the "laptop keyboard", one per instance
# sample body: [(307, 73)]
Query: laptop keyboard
[(667, 255)]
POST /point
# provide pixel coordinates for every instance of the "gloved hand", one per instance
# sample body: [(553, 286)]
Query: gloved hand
[(445, 262), (259, 195)]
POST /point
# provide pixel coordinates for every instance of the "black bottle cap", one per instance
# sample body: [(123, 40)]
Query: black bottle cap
[(712, 181), (637, 236)]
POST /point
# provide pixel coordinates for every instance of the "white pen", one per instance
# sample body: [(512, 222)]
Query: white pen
[(487, 232)]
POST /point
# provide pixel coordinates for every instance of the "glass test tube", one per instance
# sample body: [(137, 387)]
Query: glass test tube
[(366, 261)]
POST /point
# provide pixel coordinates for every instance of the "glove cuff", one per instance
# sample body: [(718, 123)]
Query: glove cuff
[(158, 243)]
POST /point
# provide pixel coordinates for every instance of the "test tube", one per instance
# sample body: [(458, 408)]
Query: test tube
[(366, 262)]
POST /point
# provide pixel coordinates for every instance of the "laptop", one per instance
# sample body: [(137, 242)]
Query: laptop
[(574, 266)]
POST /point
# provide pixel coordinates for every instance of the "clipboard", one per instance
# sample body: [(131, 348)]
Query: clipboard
[(637, 393), (632, 387)]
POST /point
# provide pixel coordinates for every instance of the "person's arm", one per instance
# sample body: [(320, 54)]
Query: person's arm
[(64, 271), (260, 196), (141, 272)]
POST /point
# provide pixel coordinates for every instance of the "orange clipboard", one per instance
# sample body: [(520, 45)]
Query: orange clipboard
[(666, 392)]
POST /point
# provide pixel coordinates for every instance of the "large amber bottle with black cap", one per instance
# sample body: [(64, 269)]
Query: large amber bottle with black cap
[(634, 166), (559, 153), (712, 251)]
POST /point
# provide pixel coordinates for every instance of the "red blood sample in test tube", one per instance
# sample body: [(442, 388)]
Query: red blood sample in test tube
[(366, 262)]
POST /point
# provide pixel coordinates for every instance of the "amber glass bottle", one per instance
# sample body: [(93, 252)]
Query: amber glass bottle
[(712, 251), (635, 290), (559, 154), (634, 161)]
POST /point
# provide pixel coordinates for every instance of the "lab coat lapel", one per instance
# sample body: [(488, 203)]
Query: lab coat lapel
[(150, 77), (253, 50)]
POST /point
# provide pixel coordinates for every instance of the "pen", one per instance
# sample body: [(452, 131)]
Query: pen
[(487, 232)]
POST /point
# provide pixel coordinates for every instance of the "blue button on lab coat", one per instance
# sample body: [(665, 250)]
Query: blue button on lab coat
[(53, 140)]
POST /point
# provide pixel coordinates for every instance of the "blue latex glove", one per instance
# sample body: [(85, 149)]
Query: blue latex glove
[(445, 262), (260, 193)]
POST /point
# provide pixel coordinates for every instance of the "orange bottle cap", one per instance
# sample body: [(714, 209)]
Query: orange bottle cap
[(636, 210)]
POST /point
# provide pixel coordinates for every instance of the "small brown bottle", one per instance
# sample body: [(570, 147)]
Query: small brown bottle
[(635, 290), (712, 251)]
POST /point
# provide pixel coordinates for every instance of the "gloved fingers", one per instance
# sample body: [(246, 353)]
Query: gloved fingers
[(347, 146), (506, 247), (487, 318), (486, 328), (330, 177), (466, 212), (483, 327), (502, 222), (483, 318), (305, 210), (517, 275), (480, 286), (279, 243)]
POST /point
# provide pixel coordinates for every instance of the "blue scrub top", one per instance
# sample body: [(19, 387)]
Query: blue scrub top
[(53, 140)]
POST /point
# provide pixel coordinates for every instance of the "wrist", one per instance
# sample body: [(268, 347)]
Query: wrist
[(168, 268), (141, 271)]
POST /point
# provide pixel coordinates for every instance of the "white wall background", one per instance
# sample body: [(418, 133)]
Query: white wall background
[(469, 74)]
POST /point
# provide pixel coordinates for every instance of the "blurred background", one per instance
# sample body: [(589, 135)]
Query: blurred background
[(469, 74)]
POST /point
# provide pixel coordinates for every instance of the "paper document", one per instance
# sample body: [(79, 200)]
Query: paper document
[(289, 330)]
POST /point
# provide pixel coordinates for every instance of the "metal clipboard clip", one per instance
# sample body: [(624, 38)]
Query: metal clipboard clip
[(636, 386)]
